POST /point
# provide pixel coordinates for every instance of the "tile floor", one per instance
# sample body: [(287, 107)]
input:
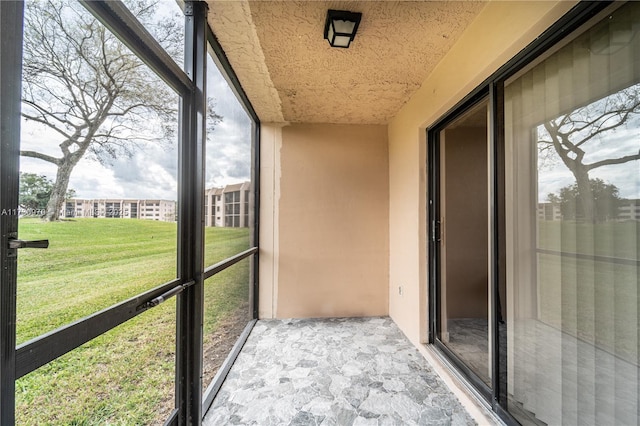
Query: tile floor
[(352, 371)]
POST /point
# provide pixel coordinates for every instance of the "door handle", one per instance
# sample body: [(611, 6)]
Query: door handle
[(18, 244)]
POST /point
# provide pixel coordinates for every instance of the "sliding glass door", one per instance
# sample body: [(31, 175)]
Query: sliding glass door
[(543, 225), (463, 239)]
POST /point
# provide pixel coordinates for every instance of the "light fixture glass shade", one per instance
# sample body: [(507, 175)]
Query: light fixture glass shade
[(341, 41), (340, 27), (345, 27)]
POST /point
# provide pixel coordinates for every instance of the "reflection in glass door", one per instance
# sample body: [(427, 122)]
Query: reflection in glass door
[(572, 121), (463, 241)]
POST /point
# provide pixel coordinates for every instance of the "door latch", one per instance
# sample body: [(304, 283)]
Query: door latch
[(18, 244), (436, 231)]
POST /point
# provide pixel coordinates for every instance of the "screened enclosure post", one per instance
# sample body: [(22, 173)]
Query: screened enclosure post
[(255, 166), (191, 220), (11, 13)]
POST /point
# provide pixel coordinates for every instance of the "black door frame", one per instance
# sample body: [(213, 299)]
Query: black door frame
[(10, 94), (435, 256), (190, 85)]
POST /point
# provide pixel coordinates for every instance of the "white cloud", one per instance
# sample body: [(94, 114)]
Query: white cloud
[(228, 157)]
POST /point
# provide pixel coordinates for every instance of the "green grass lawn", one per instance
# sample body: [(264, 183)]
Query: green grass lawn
[(125, 376), (595, 300), (611, 239)]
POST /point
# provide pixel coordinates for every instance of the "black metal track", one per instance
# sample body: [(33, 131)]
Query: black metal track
[(498, 252), (494, 341)]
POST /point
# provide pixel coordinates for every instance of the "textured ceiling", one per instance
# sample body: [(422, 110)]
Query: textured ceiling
[(291, 74)]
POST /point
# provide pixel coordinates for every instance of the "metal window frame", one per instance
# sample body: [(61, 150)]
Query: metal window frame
[(190, 304), (224, 66), (493, 86), (191, 87), (11, 23)]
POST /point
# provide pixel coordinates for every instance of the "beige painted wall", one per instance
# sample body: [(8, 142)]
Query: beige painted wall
[(270, 143), (500, 31), (327, 255)]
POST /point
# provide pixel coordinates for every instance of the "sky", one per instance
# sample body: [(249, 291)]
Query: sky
[(151, 173)]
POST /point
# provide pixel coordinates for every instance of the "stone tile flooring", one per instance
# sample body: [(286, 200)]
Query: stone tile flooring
[(351, 371)]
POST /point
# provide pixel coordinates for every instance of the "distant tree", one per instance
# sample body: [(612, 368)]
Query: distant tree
[(71, 193), (35, 191), (605, 196), (570, 135), (553, 199), (87, 88)]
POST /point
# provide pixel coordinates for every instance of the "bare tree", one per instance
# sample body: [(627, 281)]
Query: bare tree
[(577, 133), (92, 92)]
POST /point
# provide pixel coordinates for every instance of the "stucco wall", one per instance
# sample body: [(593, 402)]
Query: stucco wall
[(270, 144), (500, 31), (329, 249)]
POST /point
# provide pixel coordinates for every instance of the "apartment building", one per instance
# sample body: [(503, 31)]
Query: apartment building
[(228, 206), (627, 210), (162, 210), (549, 211)]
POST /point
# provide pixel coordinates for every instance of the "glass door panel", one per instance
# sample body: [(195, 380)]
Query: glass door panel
[(229, 219), (464, 304), (98, 170), (572, 123), (229, 192)]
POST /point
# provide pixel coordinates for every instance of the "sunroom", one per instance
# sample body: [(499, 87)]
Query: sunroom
[(184, 183)]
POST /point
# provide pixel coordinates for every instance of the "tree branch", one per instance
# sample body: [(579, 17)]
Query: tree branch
[(46, 123), (612, 161), (41, 156), (601, 128)]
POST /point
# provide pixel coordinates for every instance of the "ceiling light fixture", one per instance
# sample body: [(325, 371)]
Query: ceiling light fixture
[(340, 27)]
